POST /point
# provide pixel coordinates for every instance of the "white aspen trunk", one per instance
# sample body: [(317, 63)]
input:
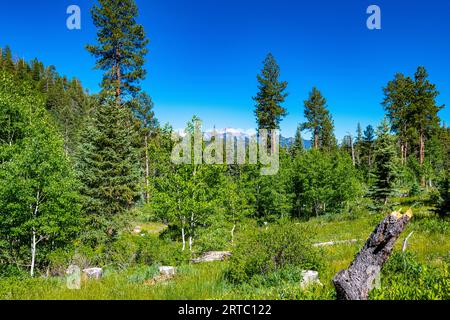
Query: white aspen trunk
[(183, 235), (147, 170), (232, 233), (353, 151), (33, 237), (33, 253)]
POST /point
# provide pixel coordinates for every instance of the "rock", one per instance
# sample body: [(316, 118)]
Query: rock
[(212, 256), (167, 271), (93, 273), (137, 229), (309, 278)]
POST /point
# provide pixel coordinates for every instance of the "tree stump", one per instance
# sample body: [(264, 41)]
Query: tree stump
[(355, 282)]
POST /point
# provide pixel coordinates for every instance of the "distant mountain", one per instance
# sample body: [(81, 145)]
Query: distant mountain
[(240, 134), (288, 142)]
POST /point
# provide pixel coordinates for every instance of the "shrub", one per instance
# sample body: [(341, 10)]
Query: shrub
[(403, 278), (270, 250)]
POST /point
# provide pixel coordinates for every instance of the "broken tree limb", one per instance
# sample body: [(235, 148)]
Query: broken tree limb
[(332, 243), (355, 282), (405, 242)]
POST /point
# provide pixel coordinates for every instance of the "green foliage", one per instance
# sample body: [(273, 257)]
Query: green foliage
[(269, 111), (403, 278), (121, 46), (323, 183), (386, 164), (319, 121), (106, 164), (272, 249), (38, 190)]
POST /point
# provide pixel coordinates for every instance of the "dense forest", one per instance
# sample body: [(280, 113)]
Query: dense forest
[(79, 172)]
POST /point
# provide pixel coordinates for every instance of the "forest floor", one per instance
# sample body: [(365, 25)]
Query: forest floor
[(429, 243)]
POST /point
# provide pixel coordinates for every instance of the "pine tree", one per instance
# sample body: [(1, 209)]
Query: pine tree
[(368, 145), (121, 46), (385, 160), (327, 138), (146, 123), (358, 144), (7, 57), (424, 110), (107, 166), (298, 145), (319, 121), (397, 103), (269, 111)]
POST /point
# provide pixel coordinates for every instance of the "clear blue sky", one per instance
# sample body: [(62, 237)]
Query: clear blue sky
[(205, 54)]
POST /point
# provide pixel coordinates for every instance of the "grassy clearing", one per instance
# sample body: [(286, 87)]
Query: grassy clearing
[(429, 244)]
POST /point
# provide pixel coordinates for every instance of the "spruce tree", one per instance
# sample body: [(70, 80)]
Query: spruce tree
[(269, 110), (107, 166), (298, 145), (385, 160), (121, 46)]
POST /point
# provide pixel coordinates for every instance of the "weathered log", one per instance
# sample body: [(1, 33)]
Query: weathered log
[(212, 256), (355, 282), (332, 243)]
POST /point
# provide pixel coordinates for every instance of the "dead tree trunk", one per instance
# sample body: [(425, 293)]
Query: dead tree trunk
[(355, 282)]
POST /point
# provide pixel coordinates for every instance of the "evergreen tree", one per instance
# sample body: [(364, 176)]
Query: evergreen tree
[(424, 109), (107, 166), (327, 138), (397, 103), (319, 121), (368, 146), (121, 46), (146, 123), (358, 144), (269, 110), (8, 62), (298, 145), (385, 160)]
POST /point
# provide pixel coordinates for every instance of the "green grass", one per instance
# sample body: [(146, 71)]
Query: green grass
[(430, 245)]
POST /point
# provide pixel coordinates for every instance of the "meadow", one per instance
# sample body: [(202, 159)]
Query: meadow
[(420, 273)]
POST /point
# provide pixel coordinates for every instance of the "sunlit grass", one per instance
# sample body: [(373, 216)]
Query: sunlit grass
[(430, 244)]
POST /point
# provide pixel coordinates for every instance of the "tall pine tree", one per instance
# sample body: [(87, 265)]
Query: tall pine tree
[(269, 110), (121, 46), (319, 121)]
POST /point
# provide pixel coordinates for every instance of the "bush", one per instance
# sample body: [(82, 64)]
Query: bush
[(163, 252), (403, 278), (271, 250), (12, 271)]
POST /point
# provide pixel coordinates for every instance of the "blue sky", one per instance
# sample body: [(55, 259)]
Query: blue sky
[(205, 54)]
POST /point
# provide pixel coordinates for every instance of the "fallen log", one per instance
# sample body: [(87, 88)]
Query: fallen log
[(212, 256), (332, 243), (355, 282)]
